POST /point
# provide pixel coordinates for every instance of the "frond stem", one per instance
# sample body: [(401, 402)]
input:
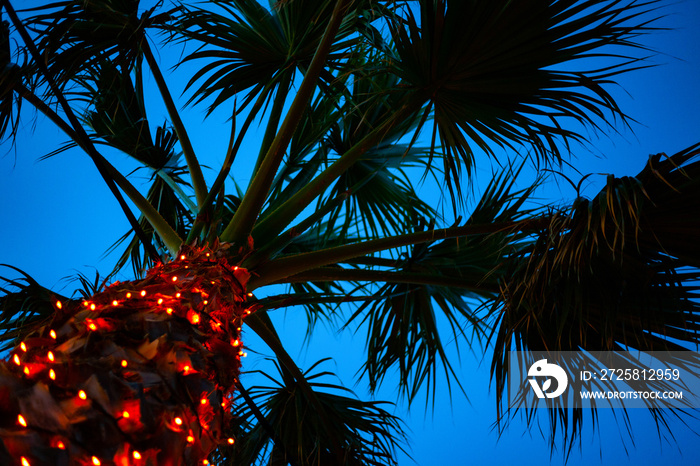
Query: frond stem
[(241, 225), (198, 183)]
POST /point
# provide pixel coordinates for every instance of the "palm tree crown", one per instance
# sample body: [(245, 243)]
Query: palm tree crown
[(335, 111)]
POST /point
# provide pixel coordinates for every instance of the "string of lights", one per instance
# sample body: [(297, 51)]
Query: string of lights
[(142, 373)]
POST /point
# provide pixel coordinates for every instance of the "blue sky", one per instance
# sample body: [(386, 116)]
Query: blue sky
[(57, 218)]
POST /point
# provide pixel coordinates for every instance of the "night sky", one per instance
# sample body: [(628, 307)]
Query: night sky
[(58, 218)]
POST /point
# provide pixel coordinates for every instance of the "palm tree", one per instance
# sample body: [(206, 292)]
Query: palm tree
[(352, 96)]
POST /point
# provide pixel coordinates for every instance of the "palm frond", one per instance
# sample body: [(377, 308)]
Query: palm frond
[(75, 35), (616, 272), (510, 74), (247, 47), (10, 79), (24, 306), (369, 434), (403, 318)]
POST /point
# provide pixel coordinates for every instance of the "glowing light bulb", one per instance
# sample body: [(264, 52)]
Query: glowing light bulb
[(82, 395), (178, 294), (205, 462), (91, 325), (169, 310), (92, 307), (96, 461), (16, 360), (206, 302), (23, 347), (235, 268), (143, 293), (60, 445), (58, 304), (52, 334), (174, 279), (245, 355), (182, 257), (207, 254), (128, 295), (124, 363), (85, 303), (236, 343), (115, 303), (26, 370), (250, 294), (230, 441), (190, 439), (194, 319), (203, 401), (126, 415), (160, 300), (178, 421), (51, 356), (136, 455), (186, 369), (21, 420), (52, 374), (25, 462)]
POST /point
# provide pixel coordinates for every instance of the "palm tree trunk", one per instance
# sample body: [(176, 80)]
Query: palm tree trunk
[(141, 373)]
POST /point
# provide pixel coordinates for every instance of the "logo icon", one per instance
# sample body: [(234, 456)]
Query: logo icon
[(543, 369)]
